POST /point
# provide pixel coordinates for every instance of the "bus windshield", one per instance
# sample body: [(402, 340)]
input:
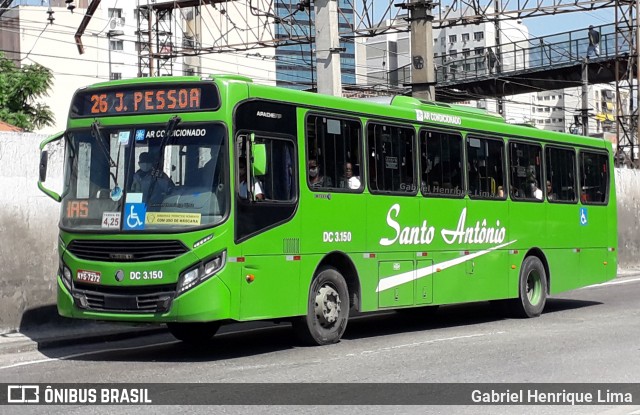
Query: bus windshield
[(133, 179)]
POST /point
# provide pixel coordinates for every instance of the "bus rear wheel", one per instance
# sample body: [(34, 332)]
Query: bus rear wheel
[(327, 309), (194, 333), (532, 289)]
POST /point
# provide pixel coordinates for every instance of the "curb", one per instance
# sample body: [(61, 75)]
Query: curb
[(19, 343)]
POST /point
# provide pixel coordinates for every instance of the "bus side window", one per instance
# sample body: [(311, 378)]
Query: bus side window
[(441, 158), (333, 154), (594, 174), (485, 167), (525, 164), (391, 158), (561, 174)]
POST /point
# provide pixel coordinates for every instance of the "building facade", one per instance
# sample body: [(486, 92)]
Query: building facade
[(296, 63)]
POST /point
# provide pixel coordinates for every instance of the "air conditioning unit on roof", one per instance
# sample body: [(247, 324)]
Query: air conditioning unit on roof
[(116, 22)]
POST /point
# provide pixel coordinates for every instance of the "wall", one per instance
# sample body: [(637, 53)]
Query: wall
[(29, 226), (628, 192)]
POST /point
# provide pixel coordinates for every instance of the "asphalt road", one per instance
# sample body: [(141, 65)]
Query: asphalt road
[(589, 335)]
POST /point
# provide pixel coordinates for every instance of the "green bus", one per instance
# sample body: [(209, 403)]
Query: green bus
[(198, 201)]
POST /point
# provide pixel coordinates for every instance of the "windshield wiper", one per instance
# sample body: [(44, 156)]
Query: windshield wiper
[(96, 132), (168, 131), (156, 172)]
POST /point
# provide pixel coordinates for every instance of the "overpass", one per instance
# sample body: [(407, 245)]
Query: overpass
[(540, 63)]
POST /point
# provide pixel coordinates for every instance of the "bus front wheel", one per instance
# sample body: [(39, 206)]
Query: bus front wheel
[(327, 309), (194, 333), (532, 289)]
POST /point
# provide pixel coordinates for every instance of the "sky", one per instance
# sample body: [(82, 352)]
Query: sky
[(548, 25)]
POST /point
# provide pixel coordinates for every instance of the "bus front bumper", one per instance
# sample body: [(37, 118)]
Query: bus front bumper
[(208, 301)]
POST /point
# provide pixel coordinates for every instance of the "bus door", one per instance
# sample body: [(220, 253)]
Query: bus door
[(332, 202), (593, 215), (265, 200), (393, 219), (563, 228), (442, 187), (486, 221)]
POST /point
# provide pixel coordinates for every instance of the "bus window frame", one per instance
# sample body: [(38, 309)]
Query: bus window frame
[(579, 166), (542, 170), (361, 143), (414, 145), (236, 174), (426, 129), (576, 199), (505, 177)]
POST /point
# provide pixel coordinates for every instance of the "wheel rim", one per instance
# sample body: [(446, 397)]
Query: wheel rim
[(534, 287), (327, 306)]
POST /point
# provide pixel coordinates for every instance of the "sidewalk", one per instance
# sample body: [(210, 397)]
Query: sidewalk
[(59, 332)]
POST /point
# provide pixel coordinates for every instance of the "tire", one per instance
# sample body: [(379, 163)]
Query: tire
[(327, 310), (532, 289), (194, 333)]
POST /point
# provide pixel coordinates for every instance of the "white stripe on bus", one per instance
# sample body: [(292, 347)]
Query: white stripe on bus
[(399, 279)]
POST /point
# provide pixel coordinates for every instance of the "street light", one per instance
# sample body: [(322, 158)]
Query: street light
[(112, 34)]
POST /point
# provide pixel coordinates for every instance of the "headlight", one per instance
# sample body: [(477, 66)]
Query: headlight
[(65, 274), (200, 272)]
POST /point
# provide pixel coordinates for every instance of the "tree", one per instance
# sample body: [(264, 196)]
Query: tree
[(19, 90)]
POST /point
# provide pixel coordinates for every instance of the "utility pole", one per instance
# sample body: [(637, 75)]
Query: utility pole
[(328, 48), (500, 103), (423, 75), (637, 62), (585, 97)]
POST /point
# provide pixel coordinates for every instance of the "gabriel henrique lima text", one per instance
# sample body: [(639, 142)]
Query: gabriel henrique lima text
[(535, 396)]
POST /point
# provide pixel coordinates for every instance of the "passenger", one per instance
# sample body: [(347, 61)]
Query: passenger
[(146, 181), (316, 179), (535, 190), (500, 192), (242, 190), (352, 182), (550, 194)]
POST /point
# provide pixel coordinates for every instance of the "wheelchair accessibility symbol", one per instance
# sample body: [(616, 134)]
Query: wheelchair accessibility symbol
[(584, 221), (134, 216)]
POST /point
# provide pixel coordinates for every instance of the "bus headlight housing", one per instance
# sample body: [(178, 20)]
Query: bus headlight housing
[(201, 271), (65, 275)]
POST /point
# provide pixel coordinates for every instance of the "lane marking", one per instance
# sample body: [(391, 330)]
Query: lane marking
[(71, 356), (422, 343), (614, 282), (120, 349)]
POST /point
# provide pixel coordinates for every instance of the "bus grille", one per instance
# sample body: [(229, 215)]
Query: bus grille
[(126, 251), (153, 299)]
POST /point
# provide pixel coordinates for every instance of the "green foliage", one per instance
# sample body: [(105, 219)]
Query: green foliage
[(19, 90)]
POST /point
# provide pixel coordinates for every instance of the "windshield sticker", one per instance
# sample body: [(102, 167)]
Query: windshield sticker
[(173, 218), (140, 135), (123, 137), (88, 276), (111, 220), (134, 197), (134, 216)]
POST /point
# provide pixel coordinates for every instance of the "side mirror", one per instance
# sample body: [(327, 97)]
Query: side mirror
[(44, 158)]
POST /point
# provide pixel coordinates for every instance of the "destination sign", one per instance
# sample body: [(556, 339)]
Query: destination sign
[(145, 99)]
